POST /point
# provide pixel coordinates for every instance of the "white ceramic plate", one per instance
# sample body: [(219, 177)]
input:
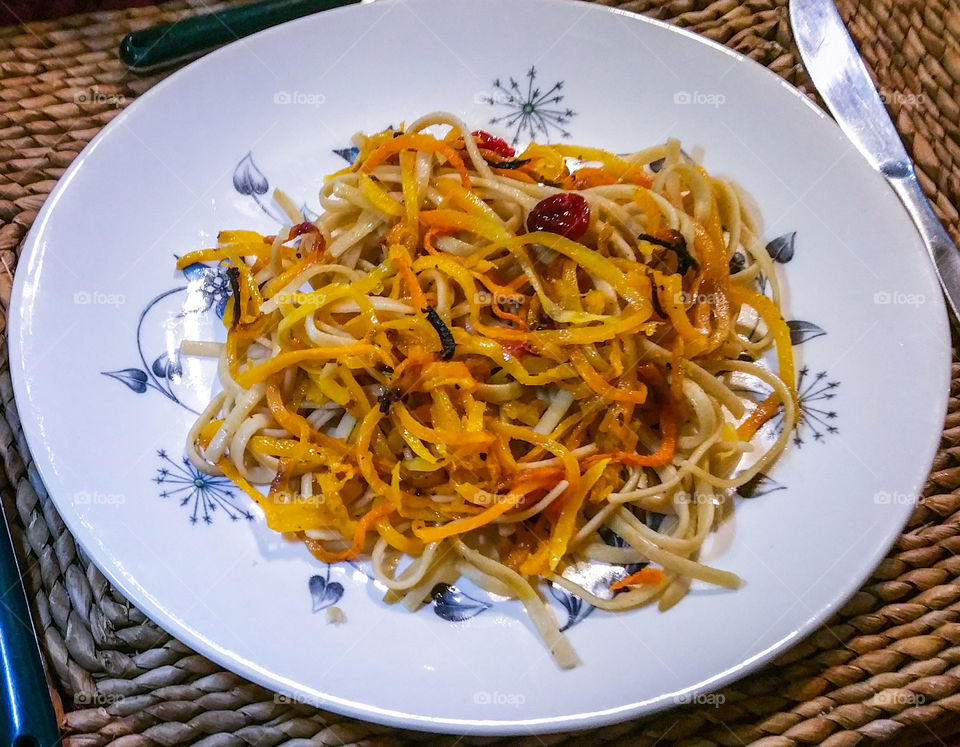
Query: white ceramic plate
[(97, 293)]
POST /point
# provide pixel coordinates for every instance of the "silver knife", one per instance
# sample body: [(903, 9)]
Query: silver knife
[(842, 80)]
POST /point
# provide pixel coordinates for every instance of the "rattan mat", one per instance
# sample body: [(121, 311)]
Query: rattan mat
[(886, 667)]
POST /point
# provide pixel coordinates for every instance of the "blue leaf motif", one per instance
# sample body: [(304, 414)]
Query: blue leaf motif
[(248, 179), (134, 378), (801, 331), (759, 484), (780, 249), (194, 271), (453, 605), (576, 608), (348, 154), (324, 593), (166, 368)]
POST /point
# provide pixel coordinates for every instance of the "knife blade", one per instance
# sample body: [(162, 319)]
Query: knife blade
[(843, 82)]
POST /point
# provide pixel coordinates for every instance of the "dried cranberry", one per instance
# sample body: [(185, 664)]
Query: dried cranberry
[(566, 213), (302, 228), (491, 142)]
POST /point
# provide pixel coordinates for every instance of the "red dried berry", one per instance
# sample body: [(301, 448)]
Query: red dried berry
[(491, 142), (566, 213)]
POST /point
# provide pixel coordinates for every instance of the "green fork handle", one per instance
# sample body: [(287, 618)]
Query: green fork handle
[(171, 43)]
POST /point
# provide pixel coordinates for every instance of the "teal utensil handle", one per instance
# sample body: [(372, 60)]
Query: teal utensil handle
[(170, 43), (26, 711)]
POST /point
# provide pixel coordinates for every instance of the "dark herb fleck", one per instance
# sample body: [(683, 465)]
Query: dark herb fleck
[(233, 275), (387, 397), (446, 336), (678, 245), (510, 164)]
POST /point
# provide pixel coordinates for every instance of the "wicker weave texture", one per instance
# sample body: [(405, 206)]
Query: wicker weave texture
[(887, 666)]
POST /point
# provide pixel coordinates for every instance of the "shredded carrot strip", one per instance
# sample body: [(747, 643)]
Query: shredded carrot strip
[(366, 522), (600, 386), (763, 412), (643, 576), (468, 524), (409, 279), (663, 454), (431, 235)]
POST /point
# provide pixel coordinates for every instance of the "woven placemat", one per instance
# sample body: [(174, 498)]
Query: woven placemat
[(887, 666)]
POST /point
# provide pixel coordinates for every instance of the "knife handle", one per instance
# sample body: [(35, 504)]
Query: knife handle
[(937, 241), (26, 709), (170, 43)]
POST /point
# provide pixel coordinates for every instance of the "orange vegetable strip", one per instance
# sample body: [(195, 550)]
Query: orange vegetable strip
[(663, 454), (296, 423), (764, 411), (651, 211), (417, 142), (431, 235), (468, 524), (409, 279), (643, 576), (364, 525), (601, 386), (777, 325), (567, 521), (256, 374), (395, 539)]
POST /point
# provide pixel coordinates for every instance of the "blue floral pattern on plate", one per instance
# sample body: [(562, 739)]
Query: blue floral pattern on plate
[(204, 494), (532, 112)]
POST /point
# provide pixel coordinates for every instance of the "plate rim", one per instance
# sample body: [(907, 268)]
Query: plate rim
[(233, 662)]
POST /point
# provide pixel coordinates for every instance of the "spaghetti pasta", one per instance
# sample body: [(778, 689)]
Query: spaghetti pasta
[(500, 366)]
